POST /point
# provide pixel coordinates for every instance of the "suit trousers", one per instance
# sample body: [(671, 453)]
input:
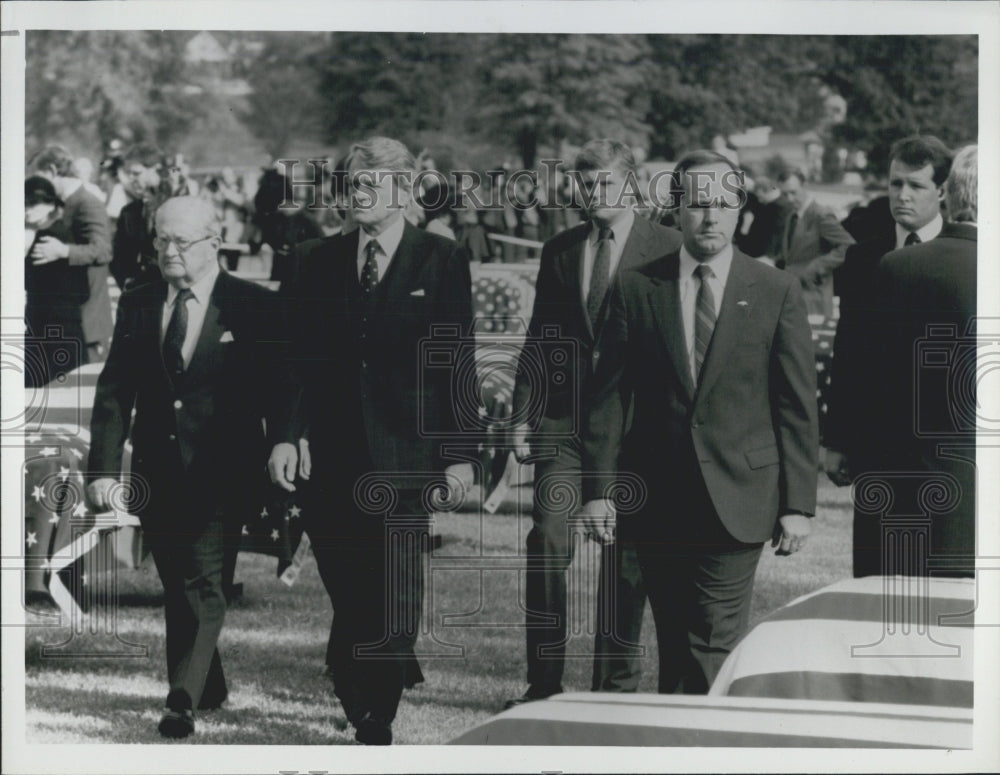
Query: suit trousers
[(190, 561), (699, 580), (371, 567), (621, 597)]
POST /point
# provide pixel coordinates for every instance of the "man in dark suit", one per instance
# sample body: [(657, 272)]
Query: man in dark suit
[(924, 408), (918, 167), (87, 222), (577, 268), (380, 418), (813, 243), (133, 255), (191, 355), (713, 350)]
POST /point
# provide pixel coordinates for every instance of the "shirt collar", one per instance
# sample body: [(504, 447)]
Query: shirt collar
[(805, 206), (388, 240), (927, 232), (201, 289), (619, 229), (720, 263)]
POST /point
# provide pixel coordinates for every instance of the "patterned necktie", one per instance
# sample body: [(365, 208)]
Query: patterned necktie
[(704, 318), (369, 272), (912, 239), (599, 275), (173, 340)]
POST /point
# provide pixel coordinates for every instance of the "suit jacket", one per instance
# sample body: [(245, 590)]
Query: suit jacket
[(815, 248), (198, 444), (751, 424), (133, 254), (560, 305), (850, 414), (87, 222), (380, 384)]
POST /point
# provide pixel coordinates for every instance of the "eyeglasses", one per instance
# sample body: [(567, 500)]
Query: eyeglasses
[(162, 243)]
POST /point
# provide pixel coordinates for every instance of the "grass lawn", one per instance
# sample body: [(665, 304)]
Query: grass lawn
[(472, 649)]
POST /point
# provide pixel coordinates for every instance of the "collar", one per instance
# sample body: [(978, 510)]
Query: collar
[(720, 263), (69, 187), (805, 206), (388, 240), (926, 233), (201, 290), (619, 229)]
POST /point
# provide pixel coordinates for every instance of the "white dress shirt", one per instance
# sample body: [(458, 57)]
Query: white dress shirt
[(197, 306), (388, 241), (926, 233), (689, 285), (619, 234)]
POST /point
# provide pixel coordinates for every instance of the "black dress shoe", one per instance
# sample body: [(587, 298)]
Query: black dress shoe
[(372, 730), (177, 723), (531, 695)]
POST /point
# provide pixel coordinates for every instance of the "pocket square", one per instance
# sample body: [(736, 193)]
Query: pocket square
[(418, 292), (741, 303), (226, 337)]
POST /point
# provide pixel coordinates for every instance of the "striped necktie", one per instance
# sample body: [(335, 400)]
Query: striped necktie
[(704, 318)]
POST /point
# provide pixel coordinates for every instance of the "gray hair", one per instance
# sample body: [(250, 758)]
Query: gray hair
[(194, 211), (960, 188), (384, 153)]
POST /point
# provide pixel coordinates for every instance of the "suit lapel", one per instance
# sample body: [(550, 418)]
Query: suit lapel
[(570, 263), (152, 326), (404, 270), (637, 245), (665, 301), (731, 323)]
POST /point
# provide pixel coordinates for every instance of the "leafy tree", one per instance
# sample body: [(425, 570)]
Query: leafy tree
[(84, 88)]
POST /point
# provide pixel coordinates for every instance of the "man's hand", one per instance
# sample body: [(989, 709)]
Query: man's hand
[(305, 460), (459, 479), (791, 534), (598, 517), (837, 468), (282, 465), (99, 492), (520, 442), (47, 250)]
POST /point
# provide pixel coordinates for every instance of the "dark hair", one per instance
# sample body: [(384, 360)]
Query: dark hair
[(792, 172), (703, 158), (603, 154), (918, 151), (39, 190), (54, 156), (145, 154)]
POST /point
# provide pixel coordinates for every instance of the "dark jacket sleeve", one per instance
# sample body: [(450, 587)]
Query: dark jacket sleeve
[(92, 243), (546, 284), (115, 396), (455, 309), (793, 381), (607, 400)]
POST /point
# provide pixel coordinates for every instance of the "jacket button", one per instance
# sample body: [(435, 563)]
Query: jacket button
[(173, 437), (695, 424), (178, 404), (364, 364)]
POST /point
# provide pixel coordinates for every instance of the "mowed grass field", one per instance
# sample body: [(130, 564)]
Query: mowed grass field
[(472, 648)]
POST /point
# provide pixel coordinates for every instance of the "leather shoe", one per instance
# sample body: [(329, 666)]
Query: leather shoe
[(372, 730), (531, 695), (177, 723)]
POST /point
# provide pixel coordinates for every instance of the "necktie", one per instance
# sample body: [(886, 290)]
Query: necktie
[(912, 239), (369, 272), (599, 279), (173, 340), (704, 318), (793, 221)]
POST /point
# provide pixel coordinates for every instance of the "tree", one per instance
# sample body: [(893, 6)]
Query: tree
[(551, 89), (84, 88)]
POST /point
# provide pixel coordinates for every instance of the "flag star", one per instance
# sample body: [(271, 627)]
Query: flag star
[(46, 564), (80, 510), (77, 453), (34, 438), (79, 477), (38, 493), (54, 519), (264, 514), (274, 534), (48, 451), (294, 512), (63, 473), (245, 531), (31, 540), (84, 578)]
